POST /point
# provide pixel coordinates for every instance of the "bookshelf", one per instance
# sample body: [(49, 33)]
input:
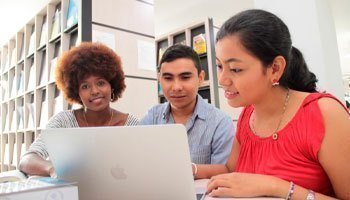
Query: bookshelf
[(199, 36), (28, 93)]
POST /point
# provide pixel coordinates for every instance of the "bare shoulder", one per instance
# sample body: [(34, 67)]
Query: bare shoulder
[(332, 108)]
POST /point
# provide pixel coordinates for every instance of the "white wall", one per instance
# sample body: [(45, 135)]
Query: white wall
[(313, 32), (171, 15)]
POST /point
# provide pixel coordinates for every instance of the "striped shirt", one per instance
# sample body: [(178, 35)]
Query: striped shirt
[(65, 119), (210, 131)]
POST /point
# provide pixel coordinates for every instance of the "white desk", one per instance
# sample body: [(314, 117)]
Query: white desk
[(201, 186)]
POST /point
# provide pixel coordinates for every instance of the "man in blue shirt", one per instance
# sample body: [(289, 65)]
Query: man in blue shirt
[(210, 131)]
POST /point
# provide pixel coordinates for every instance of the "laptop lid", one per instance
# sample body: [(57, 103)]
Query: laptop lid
[(129, 162)]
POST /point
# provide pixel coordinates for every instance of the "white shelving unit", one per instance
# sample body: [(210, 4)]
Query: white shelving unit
[(29, 96)]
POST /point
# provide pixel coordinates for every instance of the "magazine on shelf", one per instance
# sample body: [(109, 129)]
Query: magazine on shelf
[(20, 81), (22, 50), (58, 103), (5, 63), (161, 52), (56, 23), (6, 154), (199, 44), (6, 128), (43, 72), (13, 121), (30, 121), (43, 114), (73, 39), (31, 47), (43, 35), (6, 90), (14, 155), (13, 88), (53, 68), (72, 14), (20, 117), (13, 57), (31, 79)]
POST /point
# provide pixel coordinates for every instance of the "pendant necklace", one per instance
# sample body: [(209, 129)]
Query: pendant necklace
[(109, 123), (274, 135)]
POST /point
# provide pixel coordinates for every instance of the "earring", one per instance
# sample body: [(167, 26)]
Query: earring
[(275, 82), (112, 97)]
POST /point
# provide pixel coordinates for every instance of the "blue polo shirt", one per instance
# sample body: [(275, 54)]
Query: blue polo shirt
[(210, 131)]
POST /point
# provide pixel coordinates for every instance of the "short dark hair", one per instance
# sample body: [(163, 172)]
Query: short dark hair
[(266, 36), (180, 51), (89, 59)]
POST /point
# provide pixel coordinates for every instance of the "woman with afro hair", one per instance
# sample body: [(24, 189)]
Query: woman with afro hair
[(90, 75)]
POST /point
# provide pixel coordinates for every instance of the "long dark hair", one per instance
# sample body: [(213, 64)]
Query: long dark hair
[(266, 37)]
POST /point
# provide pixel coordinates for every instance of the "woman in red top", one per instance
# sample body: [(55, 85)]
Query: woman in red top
[(291, 141)]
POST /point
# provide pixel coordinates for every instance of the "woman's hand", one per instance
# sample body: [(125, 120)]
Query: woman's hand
[(52, 172), (241, 185)]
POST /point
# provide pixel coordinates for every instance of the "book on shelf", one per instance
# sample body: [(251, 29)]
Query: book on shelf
[(43, 114), (14, 155), (43, 34), (6, 158), (6, 128), (6, 93), (5, 63), (13, 57), (31, 79), (20, 117), (183, 42), (13, 121), (37, 188), (13, 88), (56, 23), (43, 71), (30, 121), (161, 52), (31, 47), (21, 56), (4, 89), (72, 14), (58, 104), (52, 69), (20, 81), (199, 44), (73, 39), (23, 149)]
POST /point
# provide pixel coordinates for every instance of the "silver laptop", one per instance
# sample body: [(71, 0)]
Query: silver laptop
[(124, 163)]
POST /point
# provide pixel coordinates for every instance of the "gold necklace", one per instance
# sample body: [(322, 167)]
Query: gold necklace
[(274, 135), (109, 123)]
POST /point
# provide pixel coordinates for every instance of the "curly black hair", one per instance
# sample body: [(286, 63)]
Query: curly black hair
[(89, 59)]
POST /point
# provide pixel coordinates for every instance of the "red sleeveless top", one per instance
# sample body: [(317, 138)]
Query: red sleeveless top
[(293, 156)]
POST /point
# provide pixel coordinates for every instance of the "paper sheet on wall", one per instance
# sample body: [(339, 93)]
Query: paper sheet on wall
[(146, 52), (105, 38)]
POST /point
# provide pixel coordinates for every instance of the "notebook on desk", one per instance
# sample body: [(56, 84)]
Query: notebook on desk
[(135, 162)]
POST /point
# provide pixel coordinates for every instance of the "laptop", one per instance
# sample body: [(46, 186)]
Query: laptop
[(124, 163)]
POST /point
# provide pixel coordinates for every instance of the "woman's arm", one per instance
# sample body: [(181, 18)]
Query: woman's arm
[(207, 171), (255, 185), (334, 154), (33, 164)]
